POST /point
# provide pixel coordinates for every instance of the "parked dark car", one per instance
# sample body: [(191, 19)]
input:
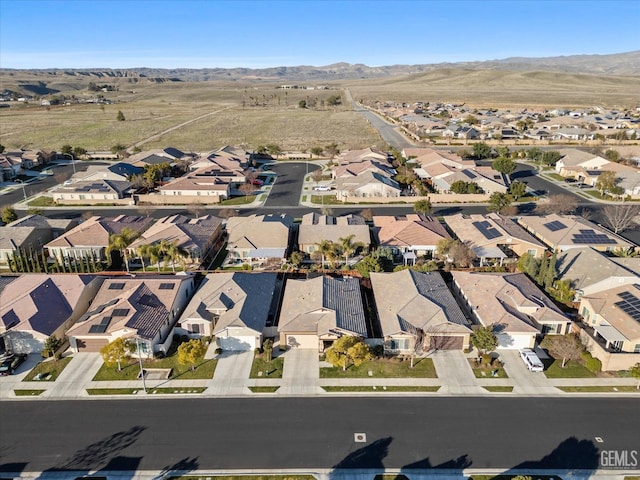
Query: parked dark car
[(570, 180), (581, 185), (11, 363)]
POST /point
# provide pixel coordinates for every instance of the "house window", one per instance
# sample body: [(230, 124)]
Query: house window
[(532, 252), (616, 345), (585, 313), (636, 349), (400, 344), (195, 328)]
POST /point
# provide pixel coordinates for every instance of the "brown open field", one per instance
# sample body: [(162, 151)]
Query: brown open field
[(229, 114), (153, 108), (487, 88)]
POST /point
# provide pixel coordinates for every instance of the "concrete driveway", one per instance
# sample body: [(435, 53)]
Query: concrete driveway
[(301, 372), (524, 381), (456, 374), (232, 373)]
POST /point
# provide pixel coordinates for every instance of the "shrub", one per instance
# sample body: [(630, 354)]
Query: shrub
[(218, 351), (184, 338), (57, 355), (487, 359), (46, 353), (591, 363), (257, 351), (158, 355), (378, 350)]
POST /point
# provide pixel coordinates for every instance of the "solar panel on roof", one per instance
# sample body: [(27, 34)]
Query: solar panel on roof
[(167, 286), (120, 312), (105, 321), (630, 304), (468, 174), (116, 286), (97, 329), (486, 230), (592, 237), (555, 225)]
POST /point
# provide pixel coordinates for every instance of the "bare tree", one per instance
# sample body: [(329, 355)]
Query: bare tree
[(559, 204), (567, 347), (367, 214), (621, 217), (196, 209), (247, 188), (316, 175), (226, 213), (461, 254)]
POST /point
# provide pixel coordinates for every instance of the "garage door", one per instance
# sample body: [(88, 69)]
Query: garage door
[(513, 342), (302, 341), (442, 342), (237, 343), (90, 344)]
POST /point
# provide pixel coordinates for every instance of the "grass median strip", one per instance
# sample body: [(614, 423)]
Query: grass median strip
[(27, 393), (150, 391), (267, 389), (601, 389), (112, 391), (498, 389), (376, 388)]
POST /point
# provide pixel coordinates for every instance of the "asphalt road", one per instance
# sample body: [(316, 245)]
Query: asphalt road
[(286, 190), (531, 433)]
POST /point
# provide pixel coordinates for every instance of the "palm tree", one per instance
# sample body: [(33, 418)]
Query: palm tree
[(176, 252), (326, 248), (144, 251), (349, 247), (120, 242)]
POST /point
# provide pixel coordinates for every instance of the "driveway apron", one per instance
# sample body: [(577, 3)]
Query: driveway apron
[(455, 373), (232, 373), (301, 372)]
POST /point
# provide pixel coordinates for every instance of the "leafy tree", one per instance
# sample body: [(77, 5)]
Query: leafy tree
[(499, 201), (484, 339), (534, 154), (190, 352), (517, 189), (52, 344), (79, 152), (529, 264), (568, 347), (114, 352), (542, 271), (471, 120), (606, 182), (550, 157), (118, 242), (66, 149), (120, 116), (118, 147), (334, 100), (317, 151), (550, 274), (481, 151), (503, 151), (267, 349), (9, 215), (562, 291), (302, 104), (348, 349), (274, 150), (504, 165), (368, 264), (621, 217), (2, 148), (612, 155), (422, 206), (332, 150), (296, 258), (635, 373)]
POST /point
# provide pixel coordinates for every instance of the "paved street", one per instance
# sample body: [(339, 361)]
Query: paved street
[(312, 433)]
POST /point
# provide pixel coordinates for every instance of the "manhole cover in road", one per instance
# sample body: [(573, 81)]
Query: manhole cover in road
[(360, 437), (599, 439)]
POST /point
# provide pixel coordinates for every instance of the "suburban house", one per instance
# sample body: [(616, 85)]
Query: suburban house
[(591, 271), (91, 238), (224, 159), (232, 306), (199, 238), (518, 310), (494, 237), (120, 171), (196, 188), (138, 309), (418, 312), (611, 326), (316, 228), (574, 163), (316, 312), (94, 192), (486, 178), (35, 306), (260, 240), (410, 235), (367, 164), (366, 184), (29, 235), (168, 155), (629, 180), (563, 232), (433, 163)]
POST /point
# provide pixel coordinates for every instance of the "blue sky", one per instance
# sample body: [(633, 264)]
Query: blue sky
[(256, 34)]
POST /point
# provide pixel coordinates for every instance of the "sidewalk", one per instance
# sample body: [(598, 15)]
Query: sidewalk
[(301, 377)]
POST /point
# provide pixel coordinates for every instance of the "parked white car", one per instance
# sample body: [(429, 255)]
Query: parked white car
[(531, 360), (322, 188)]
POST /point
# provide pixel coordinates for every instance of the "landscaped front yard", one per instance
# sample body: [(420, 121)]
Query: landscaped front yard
[(384, 368), (47, 371), (572, 369), (204, 369), (263, 369), (484, 370)]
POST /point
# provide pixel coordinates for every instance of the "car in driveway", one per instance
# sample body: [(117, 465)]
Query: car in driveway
[(570, 180), (322, 188), (11, 363), (581, 185), (531, 360)]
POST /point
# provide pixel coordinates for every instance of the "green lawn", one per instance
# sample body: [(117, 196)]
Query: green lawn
[(28, 393), (112, 391), (167, 390), (555, 176), (244, 200), (600, 389), (41, 201), (572, 370), (595, 194), (273, 368), (267, 389), (391, 388), (204, 369), (487, 371), (495, 388), (384, 368), (325, 200), (49, 367)]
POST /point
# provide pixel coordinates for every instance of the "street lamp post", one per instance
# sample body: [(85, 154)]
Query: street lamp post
[(73, 161), (144, 384)]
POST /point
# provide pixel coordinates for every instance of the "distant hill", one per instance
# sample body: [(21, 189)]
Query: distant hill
[(45, 81)]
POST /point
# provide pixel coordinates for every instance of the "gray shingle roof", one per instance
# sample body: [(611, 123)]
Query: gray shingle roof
[(343, 296), (432, 286)]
